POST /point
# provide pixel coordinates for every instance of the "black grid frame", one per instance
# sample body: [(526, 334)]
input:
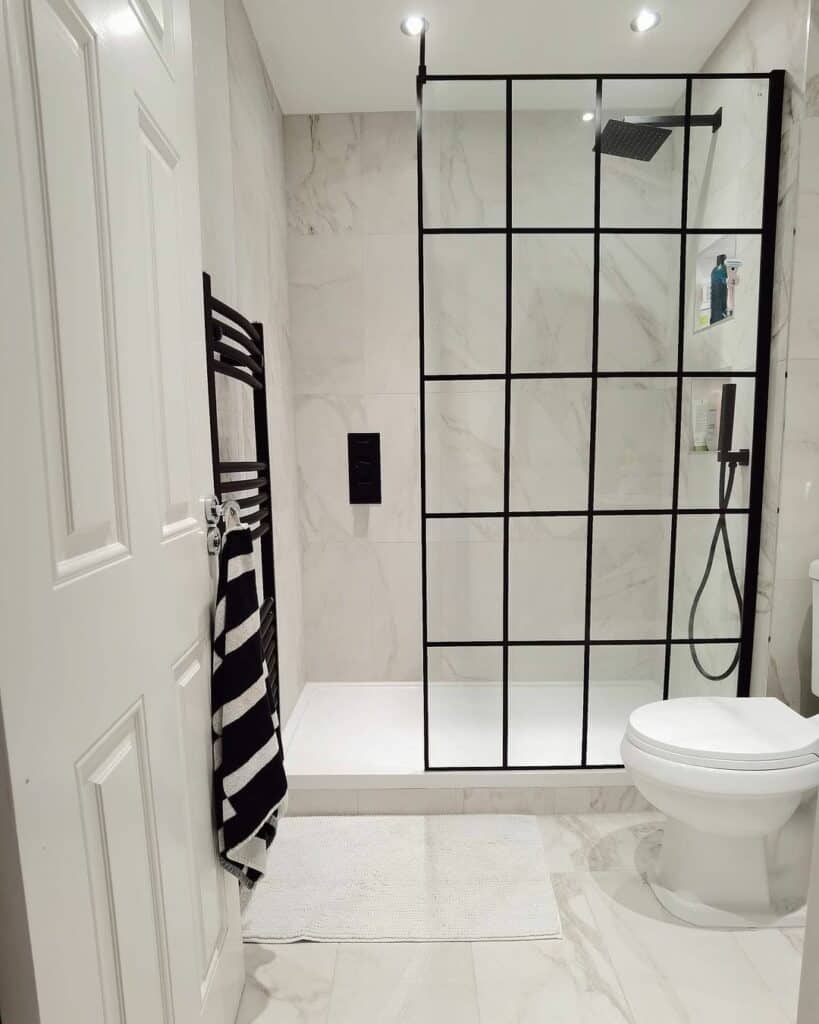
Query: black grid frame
[(759, 375)]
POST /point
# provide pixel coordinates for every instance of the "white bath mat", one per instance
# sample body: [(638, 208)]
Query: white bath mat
[(404, 879)]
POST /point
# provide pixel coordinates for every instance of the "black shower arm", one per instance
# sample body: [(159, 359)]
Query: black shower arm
[(712, 121)]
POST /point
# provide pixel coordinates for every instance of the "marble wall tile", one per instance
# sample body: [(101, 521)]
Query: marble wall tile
[(327, 313), (733, 153), (599, 799), (547, 578), (388, 196), (390, 315), (323, 422), (717, 613), (244, 248), (699, 470), (563, 982), (404, 983), (528, 800), (464, 303), (791, 625), (552, 292), (552, 155), (355, 595), (464, 447), (464, 579), (804, 334), (639, 302), (311, 802), (634, 461), (323, 168), (798, 536), (411, 801), (630, 577), (464, 154), (549, 445), (685, 679)]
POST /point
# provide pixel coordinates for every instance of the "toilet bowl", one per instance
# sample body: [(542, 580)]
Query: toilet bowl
[(730, 774)]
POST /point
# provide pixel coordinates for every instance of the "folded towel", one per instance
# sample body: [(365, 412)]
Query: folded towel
[(248, 766)]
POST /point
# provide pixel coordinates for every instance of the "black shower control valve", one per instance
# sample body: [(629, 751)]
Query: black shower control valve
[(364, 464)]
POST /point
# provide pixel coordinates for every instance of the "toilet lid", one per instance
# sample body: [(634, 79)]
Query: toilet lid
[(751, 732)]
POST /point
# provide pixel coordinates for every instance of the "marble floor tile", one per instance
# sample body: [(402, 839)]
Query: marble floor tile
[(600, 842), (671, 972), (410, 983), (776, 955), (570, 981), (287, 984)]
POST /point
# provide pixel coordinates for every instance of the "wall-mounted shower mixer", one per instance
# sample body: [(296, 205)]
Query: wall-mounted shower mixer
[(728, 461)]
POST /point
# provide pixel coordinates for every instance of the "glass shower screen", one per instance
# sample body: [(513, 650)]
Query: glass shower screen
[(596, 261)]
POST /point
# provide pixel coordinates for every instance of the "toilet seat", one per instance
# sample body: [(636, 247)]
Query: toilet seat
[(738, 734)]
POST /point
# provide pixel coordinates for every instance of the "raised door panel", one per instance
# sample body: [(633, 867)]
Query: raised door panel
[(123, 865), (167, 339), (76, 329), (193, 680)]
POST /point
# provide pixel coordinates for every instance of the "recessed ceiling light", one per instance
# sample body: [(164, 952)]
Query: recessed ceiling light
[(588, 116), (414, 25), (645, 20)]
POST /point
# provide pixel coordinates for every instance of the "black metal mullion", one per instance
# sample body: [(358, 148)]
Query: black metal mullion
[(419, 114), (675, 492), (770, 201), (507, 426), (590, 231), (598, 128)]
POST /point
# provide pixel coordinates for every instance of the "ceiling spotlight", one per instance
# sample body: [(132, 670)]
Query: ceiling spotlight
[(588, 116), (414, 25), (645, 20)]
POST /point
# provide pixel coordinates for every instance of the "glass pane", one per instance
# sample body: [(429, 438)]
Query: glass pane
[(464, 154), (726, 168), (639, 302), (641, 165), (630, 577), (552, 154), (464, 445), (547, 548), (717, 614), (552, 291), (465, 707), (549, 445), (464, 303), (634, 461), (699, 469), (686, 680), (464, 579), (722, 302), (545, 705), (620, 680)]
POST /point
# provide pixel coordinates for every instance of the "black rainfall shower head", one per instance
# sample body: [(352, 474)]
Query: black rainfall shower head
[(632, 141)]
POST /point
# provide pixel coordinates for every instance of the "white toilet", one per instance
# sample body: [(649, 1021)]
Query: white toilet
[(729, 774)]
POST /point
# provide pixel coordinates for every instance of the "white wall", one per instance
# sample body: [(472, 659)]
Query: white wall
[(244, 228)]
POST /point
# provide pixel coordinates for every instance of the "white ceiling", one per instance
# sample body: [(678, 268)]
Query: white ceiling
[(331, 56)]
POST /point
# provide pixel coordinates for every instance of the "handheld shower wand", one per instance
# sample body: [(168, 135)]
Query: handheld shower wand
[(727, 459)]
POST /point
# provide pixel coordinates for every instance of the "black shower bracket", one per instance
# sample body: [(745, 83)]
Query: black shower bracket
[(712, 121)]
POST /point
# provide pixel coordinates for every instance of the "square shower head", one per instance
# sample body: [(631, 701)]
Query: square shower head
[(633, 141)]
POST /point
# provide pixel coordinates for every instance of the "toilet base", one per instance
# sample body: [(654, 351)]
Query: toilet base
[(718, 881)]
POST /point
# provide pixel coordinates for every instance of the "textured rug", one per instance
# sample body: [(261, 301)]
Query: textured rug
[(438, 878)]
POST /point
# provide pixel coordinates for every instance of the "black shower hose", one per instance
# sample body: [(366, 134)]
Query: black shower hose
[(721, 531)]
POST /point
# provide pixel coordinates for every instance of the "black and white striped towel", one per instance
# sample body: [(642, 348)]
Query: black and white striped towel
[(249, 778)]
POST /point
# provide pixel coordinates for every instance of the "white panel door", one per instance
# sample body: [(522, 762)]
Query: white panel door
[(105, 462)]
